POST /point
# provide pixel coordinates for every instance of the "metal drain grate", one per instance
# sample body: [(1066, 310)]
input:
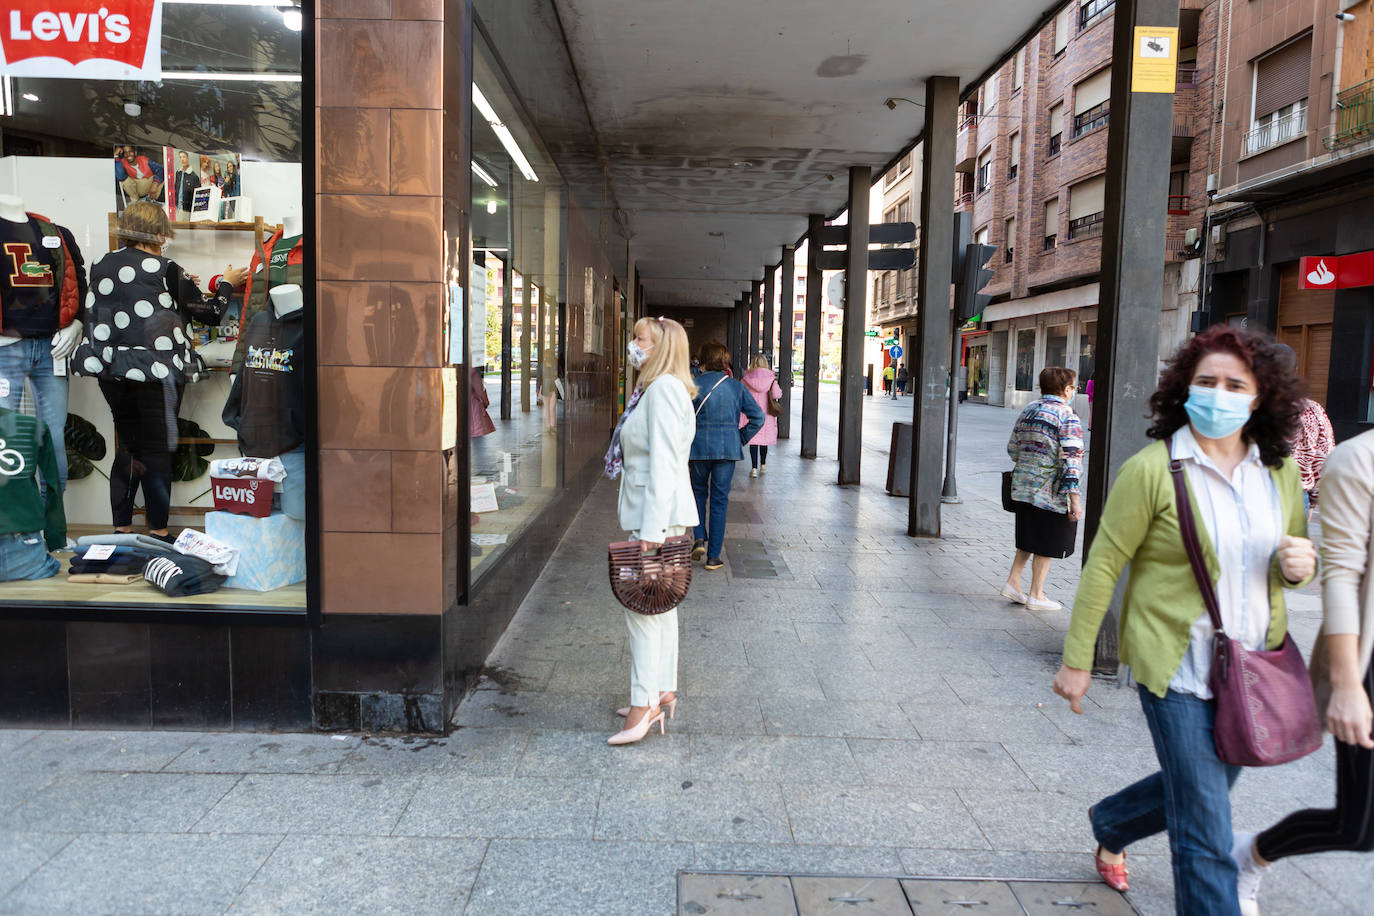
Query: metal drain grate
[(750, 559), (739, 894)]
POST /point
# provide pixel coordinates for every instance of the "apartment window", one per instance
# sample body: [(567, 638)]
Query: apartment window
[(1061, 32), (987, 96), (981, 236), (985, 170), (903, 166), (1091, 102), (1086, 206), (903, 208), (890, 215), (1279, 111), (1051, 223), (1179, 201), (1056, 128), (1009, 240), (968, 114), (1018, 68), (1089, 11), (1014, 152)]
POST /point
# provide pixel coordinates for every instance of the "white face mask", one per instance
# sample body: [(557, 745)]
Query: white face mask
[(637, 353)]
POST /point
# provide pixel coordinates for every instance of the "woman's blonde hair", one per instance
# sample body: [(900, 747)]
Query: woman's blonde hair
[(759, 362), (669, 355), (144, 222)]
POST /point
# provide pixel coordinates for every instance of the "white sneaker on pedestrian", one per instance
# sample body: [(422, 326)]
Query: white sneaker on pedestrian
[(1012, 594), (763, 469), (1248, 873), (1045, 604), (753, 472)]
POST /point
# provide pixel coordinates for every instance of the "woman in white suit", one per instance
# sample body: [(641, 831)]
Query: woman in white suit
[(652, 443)]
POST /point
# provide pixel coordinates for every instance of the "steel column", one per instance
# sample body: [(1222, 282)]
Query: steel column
[(755, 306), (931, 371), (811, 349), (770, 309), (852, 338), (1127, 367), (787, 286)]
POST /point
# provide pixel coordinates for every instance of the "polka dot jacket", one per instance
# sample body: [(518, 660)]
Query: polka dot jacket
[(136, 314)]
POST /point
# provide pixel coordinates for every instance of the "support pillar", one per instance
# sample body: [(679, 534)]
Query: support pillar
[(852, 338), (929, 376), (1127, 367), (740, 344), (755, 306), (770, 309), (787, 283), (811, 352)]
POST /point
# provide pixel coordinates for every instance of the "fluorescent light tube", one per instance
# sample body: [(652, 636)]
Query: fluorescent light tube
[(503, 134), (483, 174), (231, 77)]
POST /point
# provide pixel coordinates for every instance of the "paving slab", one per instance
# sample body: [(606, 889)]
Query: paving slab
[(288, 803), (944, 764), (22, 853), (774, 759), (660, 810), (243, 753), (501, 806), (470, 751), (881, 816), (119, 802)]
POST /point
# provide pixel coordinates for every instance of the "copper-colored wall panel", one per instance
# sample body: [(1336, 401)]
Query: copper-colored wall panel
[(380, 238), (355, 155), (380, 408), (354, 324), (355, 9), (417, 486), (416, 152), (355, 490), (417, 324), (383, 573), (380, 64), (417, 9)]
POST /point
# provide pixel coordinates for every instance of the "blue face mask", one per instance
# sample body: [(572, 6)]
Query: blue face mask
[(1217, 414)]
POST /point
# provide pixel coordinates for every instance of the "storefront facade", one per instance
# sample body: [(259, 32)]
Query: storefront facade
[(456, 320)]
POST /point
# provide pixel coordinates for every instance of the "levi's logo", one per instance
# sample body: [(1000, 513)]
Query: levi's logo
[(78, 30), (244, 493)]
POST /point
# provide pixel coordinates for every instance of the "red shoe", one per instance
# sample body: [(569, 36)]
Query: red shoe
[(1114, 875)]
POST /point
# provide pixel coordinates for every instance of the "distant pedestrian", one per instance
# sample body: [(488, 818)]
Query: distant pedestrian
[(902, 377), (651, 444), (1223, 410), (1314, 440), (889, 377), (718, 444), (1047, 445), (762, 383), (1089, 392)]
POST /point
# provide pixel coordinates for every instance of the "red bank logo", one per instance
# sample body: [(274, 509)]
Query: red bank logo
[(109, 39)]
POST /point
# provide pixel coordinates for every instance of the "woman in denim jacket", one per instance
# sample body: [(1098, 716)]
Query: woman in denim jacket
[(719, 443)]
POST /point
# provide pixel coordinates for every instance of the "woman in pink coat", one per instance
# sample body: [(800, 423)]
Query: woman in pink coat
[(762, 383), (479, 421)]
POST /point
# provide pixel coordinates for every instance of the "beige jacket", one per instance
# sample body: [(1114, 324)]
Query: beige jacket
[(1347, 553), (656, 491)]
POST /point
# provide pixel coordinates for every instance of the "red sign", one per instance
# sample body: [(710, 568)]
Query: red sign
[(244, 495), (82, 39), (1345, 271)]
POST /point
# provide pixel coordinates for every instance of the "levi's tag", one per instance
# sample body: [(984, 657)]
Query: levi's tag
[(52, 241), (59, 368), (99, 552)]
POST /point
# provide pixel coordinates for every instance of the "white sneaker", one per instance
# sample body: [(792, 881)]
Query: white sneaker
[(1037, 604), (1012, 594), (753, 472), (763, 469), (1249, 873)]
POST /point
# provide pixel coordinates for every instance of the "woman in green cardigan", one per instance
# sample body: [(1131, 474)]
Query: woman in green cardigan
[(1225, 408)]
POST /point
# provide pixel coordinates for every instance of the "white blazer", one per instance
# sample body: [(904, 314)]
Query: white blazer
[(656, 489)]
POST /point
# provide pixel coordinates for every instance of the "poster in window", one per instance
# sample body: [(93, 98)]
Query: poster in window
[(139, 174)]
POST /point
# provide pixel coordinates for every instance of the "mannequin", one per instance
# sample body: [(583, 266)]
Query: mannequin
[(279, 260), (292, 225), (42, 311)]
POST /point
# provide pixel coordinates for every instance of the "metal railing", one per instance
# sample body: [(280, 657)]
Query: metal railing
[(964, 199), (1092, 119), (1354, 115), (1187, 77), (1051, 241), (1011, 172), (1056, 144), (1091, 10), (1086, 227), (1179, 204), (1277, 131)]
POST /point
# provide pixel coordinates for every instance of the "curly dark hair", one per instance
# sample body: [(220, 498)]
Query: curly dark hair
[(1276, 418)]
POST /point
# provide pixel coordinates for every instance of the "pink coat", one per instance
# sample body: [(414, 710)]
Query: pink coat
[(479, 421), (762, 384)]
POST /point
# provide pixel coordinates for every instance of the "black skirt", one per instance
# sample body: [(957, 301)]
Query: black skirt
[(1044, 533)]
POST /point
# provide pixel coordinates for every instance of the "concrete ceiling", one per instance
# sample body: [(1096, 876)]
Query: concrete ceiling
[(740, 117)]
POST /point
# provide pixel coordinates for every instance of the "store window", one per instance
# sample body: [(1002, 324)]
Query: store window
[(1057, 346), (517, 389), (1087, 353), (1025, 359), (157, 319)]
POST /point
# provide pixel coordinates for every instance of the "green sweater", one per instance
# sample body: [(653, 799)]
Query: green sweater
[(26, 446), (1140, 527)]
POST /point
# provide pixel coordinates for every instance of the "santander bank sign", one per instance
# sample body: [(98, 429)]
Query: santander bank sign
[(82, 39)]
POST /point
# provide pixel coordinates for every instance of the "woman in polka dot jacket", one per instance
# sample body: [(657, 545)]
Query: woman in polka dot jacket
[(137, 345)]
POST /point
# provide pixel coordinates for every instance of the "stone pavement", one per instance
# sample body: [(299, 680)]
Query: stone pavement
[(854, 702)]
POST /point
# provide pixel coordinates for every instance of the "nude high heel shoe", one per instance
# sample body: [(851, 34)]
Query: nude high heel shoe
[(624, 711), (637, 732)]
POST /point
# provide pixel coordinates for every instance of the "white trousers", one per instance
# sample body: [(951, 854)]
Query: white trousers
[(653, 649)]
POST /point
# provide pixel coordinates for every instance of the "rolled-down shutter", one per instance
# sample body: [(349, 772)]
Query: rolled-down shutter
[(1052, 217), (1282, 77), (1093, 91), (1088, 197)]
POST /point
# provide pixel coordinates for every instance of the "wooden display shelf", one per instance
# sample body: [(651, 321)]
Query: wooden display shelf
[(259, 227)]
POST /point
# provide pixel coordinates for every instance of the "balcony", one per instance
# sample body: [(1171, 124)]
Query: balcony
[(964, 200), (1179, 204), (1276, 132), (1187, 77), (1088, 12), (1183, 126), (1091, 119), (1354, 116), (1086, 227)]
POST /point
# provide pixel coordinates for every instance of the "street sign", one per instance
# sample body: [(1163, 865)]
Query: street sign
[(871, 333), (882, 259), (895, 352), (878, 234), (834, 291)]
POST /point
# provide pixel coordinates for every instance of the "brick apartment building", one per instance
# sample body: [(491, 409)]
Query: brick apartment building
[(1294, 177)]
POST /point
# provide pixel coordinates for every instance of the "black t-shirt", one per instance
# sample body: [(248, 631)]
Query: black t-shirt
[(31, 278)]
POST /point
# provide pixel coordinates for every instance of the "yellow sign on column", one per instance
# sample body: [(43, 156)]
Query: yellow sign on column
[(1154, 63)]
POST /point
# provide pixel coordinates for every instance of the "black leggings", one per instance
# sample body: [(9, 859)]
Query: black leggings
[(1349, 826), (145, 422), (758, 454)]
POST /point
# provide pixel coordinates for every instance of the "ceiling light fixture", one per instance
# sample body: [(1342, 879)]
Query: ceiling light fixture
[(491, 207), (741, 164), (231, 77), (6, 96), (30, 97), (891, 102), (503, 134), (132, 108), (292, 19), (483, 175)]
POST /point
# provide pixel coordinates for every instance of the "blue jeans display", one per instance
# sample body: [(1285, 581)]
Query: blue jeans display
[(1189, 797), (293, 487), (31, 358), (711, 482), (25, 556)]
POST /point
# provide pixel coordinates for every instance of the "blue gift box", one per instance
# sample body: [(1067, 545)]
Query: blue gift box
[(271, 549)]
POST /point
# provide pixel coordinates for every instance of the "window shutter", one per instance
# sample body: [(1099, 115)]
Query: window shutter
[(1056, 118), (1010, 240), (1061, 31), (981, 236), (1015, 148), (1088, 197), (1281, 78), (1018, 64), (1093, 91), (984, 159), (1052, 216)]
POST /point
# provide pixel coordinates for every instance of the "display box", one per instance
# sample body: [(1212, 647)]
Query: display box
[(243, 495), (271, 549)]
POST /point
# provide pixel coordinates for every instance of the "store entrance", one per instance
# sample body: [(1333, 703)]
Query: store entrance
[(976, 360)]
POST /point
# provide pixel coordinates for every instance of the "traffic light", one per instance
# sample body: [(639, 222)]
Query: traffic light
[(969, 299)]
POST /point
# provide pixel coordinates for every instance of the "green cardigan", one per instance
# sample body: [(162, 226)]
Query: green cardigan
[(1140, 527)]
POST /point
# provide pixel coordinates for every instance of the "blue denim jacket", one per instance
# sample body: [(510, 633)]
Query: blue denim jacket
[(719, 436)]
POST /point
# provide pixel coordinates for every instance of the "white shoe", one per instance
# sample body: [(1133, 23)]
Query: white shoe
[(1248, 873), (1012, 594), (763, 469), (753, 472), (1035, 604)]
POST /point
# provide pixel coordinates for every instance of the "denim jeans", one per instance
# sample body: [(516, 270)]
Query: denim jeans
[(25, 556), (31, 358), (1189, 797), (293, 487), (711, 480)]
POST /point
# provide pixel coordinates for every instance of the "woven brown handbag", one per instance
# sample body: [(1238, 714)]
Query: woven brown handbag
[(651, 583)]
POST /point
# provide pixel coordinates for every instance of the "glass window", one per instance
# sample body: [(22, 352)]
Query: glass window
[(1087, 353), (1057, 346), (1025, 359), (180, 369)]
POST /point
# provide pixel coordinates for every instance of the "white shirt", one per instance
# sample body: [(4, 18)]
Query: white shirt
[(1244, 519)]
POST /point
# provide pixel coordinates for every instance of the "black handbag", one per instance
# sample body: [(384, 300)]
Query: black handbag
[(1006, 492)]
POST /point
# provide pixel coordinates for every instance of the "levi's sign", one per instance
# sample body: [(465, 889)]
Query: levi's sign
[(82, 39), (1345, 271)]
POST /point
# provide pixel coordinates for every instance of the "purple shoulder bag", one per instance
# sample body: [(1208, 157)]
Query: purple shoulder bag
[(1266, 714)]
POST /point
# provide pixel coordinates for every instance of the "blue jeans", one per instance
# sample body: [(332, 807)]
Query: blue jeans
[(1189, 797), (711, 479), (25, 556), (293, 487), (31, 358)]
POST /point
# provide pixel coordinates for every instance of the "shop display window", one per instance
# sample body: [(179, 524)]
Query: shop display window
[(158, 321), (1057, 346), (1025, 359), (1087, 350)]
